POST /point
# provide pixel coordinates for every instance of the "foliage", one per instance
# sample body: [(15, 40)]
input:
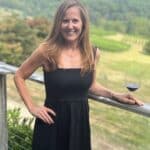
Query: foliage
[(109, 9), (32, 8), (127, 16), (17, 40), (147, 48), (19, 37), (109, 45), (40, 25), (19, 131)]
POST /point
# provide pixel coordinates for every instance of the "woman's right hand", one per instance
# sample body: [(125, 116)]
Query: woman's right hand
[(42, 113)]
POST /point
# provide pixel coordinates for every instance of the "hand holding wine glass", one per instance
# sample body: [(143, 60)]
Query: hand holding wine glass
[(132, 84)]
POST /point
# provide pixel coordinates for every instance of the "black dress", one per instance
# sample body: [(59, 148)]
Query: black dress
[(67, 95)]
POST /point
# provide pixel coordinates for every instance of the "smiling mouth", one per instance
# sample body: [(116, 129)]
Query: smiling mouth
[(70, 31)]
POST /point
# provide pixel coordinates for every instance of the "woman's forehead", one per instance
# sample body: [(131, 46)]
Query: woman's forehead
[(72, 11)]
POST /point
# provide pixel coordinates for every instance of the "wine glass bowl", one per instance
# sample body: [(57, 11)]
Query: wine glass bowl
[(132, 86)]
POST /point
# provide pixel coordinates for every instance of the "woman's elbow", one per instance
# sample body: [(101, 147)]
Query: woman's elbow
[(17, 77)]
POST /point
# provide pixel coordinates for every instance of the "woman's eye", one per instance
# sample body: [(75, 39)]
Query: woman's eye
[(65, 21), (75, 20)]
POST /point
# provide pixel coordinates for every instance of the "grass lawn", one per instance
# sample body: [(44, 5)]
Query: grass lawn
[(116, 128)]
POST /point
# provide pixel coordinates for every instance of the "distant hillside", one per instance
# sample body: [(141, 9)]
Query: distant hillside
[(118, 9), (108, 9), (44, 8), (126, 16)]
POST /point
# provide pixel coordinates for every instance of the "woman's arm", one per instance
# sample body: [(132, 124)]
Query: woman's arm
[(97, 89), (25, 70)]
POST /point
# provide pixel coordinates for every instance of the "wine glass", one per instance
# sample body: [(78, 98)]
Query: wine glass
[(132, 86), (132, 83)]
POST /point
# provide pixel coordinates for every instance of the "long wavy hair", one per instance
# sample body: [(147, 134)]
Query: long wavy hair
[(55, 40)]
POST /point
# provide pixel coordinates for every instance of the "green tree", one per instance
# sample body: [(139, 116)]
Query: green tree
[(18, 40)]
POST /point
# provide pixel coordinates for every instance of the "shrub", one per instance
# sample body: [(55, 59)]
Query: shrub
[(19, 131)]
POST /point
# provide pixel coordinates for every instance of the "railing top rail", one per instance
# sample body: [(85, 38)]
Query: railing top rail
[(143, 110)]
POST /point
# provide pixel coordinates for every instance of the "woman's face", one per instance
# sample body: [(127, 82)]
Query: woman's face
[(71, 26)]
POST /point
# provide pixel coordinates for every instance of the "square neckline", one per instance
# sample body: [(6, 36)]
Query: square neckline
[(61, 68)]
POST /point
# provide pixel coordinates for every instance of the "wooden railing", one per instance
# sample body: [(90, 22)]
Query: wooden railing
[(9, 69)]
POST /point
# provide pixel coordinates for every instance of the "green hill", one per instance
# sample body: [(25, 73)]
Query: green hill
[(126, 16), (108, 9)]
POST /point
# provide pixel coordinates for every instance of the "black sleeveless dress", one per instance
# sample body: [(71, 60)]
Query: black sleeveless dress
[(67, 95)]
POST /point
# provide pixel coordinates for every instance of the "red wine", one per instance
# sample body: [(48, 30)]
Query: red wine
[(132, 86)]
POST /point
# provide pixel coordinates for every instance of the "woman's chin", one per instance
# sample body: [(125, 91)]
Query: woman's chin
[(71, 41)]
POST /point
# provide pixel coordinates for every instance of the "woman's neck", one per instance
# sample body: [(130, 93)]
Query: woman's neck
[(71, 46)]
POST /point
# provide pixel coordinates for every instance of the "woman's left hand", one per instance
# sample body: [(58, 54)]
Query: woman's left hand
[(127, 98)]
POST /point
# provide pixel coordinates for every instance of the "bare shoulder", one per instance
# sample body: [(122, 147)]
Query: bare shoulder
[(42, 49)]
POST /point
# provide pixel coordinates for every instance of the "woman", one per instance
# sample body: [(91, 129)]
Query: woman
[(68, 62)]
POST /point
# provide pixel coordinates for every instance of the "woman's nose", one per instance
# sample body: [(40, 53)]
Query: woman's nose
[(70, 24)]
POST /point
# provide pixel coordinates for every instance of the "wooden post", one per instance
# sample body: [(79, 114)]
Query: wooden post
[(3, 114)]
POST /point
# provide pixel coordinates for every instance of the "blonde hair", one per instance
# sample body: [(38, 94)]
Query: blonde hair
[(55, 40)]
